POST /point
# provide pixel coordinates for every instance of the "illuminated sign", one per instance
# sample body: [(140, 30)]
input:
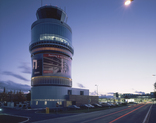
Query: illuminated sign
[(56, 55), (53, 37), (36, 65), (56, 65)]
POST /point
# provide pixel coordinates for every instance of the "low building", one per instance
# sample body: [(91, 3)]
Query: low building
[(81, 99), (129, 97)]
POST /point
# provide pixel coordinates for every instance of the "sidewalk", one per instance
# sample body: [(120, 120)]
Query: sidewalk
[(12, 119)]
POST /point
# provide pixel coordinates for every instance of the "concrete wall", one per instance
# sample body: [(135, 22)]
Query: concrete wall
[(76, 91), (83, 99)]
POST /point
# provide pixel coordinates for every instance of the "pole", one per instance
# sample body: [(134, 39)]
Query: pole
[(97, 89)]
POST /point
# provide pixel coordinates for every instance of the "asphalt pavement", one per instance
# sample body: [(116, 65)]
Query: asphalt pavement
[(11, 119), (152, 117), (128, 114), (32, 115), (133, 114)]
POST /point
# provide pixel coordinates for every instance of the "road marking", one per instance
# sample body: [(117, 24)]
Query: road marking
[(20, 116), (109, 114), (24, 121), (126, 114), (145, 120)]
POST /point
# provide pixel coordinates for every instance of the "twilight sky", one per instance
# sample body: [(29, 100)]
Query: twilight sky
[(114, 45)]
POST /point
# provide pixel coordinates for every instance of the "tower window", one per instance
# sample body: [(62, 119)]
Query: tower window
[(81, 92), (69, 92)]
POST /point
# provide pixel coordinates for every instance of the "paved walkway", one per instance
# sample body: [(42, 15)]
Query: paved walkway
[(11, 119)]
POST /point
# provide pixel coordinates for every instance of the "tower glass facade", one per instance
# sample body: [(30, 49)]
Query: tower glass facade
[(51, 53)]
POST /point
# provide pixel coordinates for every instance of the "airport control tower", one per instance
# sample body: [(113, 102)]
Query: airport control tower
[(51, 54)]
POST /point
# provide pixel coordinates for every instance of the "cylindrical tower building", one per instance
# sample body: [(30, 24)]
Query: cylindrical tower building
[(51, 53)]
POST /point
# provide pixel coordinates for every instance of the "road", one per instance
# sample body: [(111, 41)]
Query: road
[(30, 114), (152, 118), (134, 114), (126, 114)]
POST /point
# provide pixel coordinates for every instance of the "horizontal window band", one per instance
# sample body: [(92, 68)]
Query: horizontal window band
[(51, 52), (51, 81), (51, 77), (51, 49), (51, 45), (33, 45), (58, 100), (51, 85)]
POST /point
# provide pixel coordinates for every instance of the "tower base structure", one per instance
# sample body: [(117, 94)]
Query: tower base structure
[(51, 96)]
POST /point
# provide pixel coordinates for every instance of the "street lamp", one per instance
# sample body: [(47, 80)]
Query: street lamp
[(127, 2), (97, 89)]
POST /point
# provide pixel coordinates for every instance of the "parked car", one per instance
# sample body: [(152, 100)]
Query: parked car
[(90, 106), (73, 107), (111, 104), (97, 105), (116, 104), (105, 105), (24, 106), (84, 106)]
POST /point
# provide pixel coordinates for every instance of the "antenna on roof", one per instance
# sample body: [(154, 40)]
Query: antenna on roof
[(41, 3)]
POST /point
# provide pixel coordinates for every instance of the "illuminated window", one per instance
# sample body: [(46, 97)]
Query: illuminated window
[(60, 103), (53, 38), (45, 102), (36, 102)]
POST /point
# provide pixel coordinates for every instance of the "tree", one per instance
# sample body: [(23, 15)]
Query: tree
[(155, 90), (3, 96), (28, 96), (21, 97)]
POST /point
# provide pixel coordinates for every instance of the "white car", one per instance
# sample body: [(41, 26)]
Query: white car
[(90, 106)]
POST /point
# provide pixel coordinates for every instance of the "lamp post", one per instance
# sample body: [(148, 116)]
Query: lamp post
[(97, 89)]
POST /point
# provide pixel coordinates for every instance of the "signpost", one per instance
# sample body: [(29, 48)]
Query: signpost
[(57, 105), (89, 103)]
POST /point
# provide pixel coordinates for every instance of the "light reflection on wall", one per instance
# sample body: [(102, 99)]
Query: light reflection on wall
[(58, 100), (53, 37), (45, 102)]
